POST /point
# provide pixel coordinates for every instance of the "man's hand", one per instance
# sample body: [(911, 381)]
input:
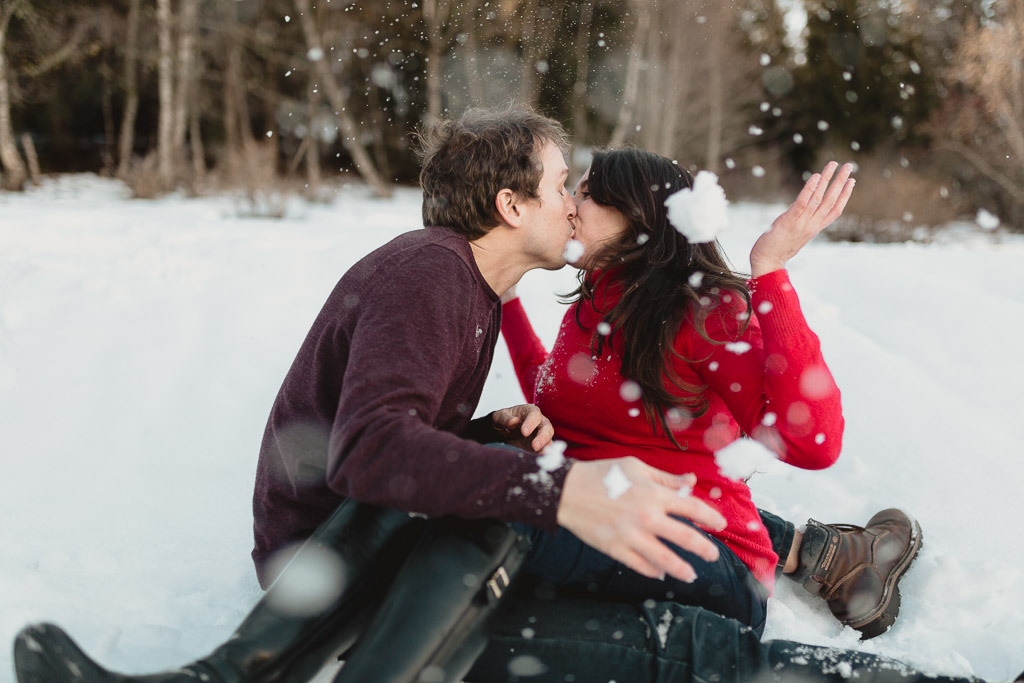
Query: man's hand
[(820, 202), (628, 527), (525, 426)]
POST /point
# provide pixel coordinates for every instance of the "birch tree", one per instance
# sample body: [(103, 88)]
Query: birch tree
[(130, 83), (14, 168), (165, 71)]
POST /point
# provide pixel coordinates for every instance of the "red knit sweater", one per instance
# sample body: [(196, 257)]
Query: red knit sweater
[(768, 380)]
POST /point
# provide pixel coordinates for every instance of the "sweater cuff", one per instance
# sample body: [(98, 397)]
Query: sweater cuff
[(775, 279), (776, 305), (537, 491), (482, 430)]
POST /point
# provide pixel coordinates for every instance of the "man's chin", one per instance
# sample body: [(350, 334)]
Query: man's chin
[(555, 265)]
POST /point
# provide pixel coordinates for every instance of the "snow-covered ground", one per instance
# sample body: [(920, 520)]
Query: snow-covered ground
[(141, 345)]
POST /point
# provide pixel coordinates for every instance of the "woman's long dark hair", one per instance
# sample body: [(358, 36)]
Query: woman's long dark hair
[(653, 264)]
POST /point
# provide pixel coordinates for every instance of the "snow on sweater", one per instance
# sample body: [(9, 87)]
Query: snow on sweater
[(386, 380), (768, 380)]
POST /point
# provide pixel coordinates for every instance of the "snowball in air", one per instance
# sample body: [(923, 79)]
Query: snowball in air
[(987, 220), (741, 458), (616, 482), (699, 213), (553, 456), (573, 251)]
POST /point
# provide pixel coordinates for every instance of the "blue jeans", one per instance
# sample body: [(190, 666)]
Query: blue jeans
[(570, 566), (585, 640)]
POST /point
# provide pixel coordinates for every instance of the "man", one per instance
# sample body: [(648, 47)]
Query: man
[(376, 408)]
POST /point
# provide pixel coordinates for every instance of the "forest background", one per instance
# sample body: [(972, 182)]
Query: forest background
[(272, 96)]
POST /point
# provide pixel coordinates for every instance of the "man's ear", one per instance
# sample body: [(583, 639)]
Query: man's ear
[(506, 204)]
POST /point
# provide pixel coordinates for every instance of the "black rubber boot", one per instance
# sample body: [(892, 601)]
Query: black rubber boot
[(432, 624), (279, 640)]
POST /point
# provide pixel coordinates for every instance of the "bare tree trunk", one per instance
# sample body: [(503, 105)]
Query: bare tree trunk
[(349, 129), (107, 97), (435, 14), (195, 138), (312, 143), (33, 159), (471, 63), (659, 90), (14, 168), (237, 122), (681, 80), (185, 121), (165, 69), (184, 90), (528, 61), (716, 91), (579, 88), (126, 143), (642, 13)]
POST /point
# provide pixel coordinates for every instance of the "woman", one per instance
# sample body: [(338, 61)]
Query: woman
[(667, 355)]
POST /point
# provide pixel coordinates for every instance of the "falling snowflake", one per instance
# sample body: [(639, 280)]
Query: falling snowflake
[(616, 482)]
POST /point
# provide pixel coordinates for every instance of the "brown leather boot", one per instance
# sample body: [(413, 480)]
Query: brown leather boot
[(857, 570)]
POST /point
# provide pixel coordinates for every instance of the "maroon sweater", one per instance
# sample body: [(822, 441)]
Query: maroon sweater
[(381, 390)]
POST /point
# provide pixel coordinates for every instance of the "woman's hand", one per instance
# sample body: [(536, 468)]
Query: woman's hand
[(820, 202)]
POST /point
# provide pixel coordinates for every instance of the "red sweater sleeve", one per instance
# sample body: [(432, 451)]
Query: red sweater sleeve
[(771, 373), (526, 349)]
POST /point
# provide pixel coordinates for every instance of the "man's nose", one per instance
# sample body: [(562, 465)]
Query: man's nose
[(571, 201)]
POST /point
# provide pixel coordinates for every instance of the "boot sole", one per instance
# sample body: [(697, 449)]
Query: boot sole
[(882, 619)]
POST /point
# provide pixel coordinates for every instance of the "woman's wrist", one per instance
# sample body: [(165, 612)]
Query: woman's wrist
[(759, 268)]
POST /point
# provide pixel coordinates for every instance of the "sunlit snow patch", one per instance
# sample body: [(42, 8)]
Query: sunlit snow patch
[(742, 458), (573, 251), (616, 482), (699, 213)]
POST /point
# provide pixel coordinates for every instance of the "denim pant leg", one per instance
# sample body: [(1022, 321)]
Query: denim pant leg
[(725, 586), (781, 534), (583, 640)]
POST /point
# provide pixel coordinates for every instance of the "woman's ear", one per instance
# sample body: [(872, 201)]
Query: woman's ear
[(505, 203)]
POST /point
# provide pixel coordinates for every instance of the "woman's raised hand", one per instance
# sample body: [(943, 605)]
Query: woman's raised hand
[(820, 202)]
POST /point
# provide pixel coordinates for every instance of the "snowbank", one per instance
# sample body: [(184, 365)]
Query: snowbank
[(141, 345)]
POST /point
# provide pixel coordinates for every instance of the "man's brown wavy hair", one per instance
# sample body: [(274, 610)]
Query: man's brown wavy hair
[(466, 161)]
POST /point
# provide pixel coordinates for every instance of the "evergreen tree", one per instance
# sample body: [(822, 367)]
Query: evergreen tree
[(861, 84)]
